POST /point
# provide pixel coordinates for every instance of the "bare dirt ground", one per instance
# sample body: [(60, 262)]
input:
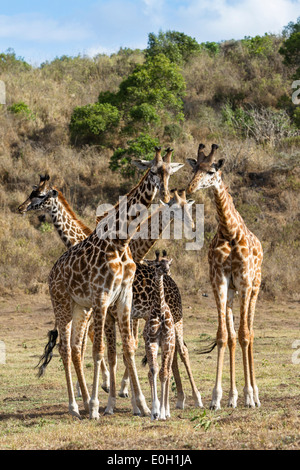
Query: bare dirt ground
[(34, 412)]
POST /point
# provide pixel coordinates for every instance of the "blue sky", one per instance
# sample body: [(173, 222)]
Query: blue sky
[(41, 30)]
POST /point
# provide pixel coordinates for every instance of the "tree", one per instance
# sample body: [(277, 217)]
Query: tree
[(290, 50), (90, 123), (178, 47), (152, 92)]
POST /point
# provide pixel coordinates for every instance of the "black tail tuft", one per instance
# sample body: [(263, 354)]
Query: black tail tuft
[(144, 361), (209, 348), (47, 356)]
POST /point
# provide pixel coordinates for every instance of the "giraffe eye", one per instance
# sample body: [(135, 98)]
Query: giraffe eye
[(210, 172)]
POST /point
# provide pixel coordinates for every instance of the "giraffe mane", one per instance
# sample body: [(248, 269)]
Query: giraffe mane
[(72, 214)]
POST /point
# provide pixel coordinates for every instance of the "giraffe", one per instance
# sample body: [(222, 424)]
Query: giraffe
[(159, 331), (71, 230), (97, 273), (235, 258), (143, 288)]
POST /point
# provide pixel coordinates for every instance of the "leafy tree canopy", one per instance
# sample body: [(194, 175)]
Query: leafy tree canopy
[(178, 47)]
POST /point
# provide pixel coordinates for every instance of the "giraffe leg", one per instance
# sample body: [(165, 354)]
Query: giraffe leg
[(164, 376), (125, 380), (244, 340), (184, 355), (177, 378), (83, 349), (63, 316), (79, 328), (151, 352), (98, 352), (167, 391), (104, 369), (253, 298), (124, 309), (110, 333), (233, 393), (220, 292)]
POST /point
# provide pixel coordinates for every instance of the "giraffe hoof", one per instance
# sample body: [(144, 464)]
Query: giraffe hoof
[(155, 417), (214, 406), (105, 388), (123, 394)]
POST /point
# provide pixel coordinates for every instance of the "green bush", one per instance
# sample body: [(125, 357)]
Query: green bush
[(9, 61), (213, 48), (141, 147), (144, 113), (178, 47), (22, 109), (90, 123), (259, 45), (173, 131), (290, 50)]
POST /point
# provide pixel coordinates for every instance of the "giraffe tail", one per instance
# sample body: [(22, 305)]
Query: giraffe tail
[(207, 349), (144, 361), (47, 356)]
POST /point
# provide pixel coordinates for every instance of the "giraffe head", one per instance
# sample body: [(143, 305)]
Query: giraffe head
[(161, 168), (205, 169), (162, 263), (41, 197), (181, 207)]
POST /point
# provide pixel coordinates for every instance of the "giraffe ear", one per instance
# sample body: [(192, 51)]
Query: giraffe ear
[(192, 162), (175, 167), (219, 164), (142, 164), (190, 202), (53, 193)]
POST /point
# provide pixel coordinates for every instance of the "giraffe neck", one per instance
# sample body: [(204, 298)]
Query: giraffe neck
[(160, 294), (69, 228), (153, 226), (228, 216), (121, 218)]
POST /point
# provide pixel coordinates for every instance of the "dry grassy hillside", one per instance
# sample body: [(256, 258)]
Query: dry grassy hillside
[(263, 178)]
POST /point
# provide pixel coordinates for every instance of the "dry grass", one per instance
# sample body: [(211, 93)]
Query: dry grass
[(34, 412)]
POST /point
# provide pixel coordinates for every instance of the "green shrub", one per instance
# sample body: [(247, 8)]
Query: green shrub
[(296, 117), (259, 45), (177, 47), (141, 147), (144, 113), (90, 123), (213, 48), (173, 131), (9, 61), (22, 109)]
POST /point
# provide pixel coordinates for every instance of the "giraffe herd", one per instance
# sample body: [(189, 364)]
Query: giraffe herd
[(101, 282)]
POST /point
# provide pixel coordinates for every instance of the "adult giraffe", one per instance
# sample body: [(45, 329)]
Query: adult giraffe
[(235, 258)]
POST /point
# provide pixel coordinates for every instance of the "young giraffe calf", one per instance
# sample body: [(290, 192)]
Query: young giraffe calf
[(159, 331)]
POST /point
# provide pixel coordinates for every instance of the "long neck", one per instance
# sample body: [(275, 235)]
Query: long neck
[(143, 194), (69, 228), (160, 294), (228, 216), (152, 229)]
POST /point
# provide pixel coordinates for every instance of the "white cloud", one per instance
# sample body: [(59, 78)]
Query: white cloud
[(223, 19), (36, 27)]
